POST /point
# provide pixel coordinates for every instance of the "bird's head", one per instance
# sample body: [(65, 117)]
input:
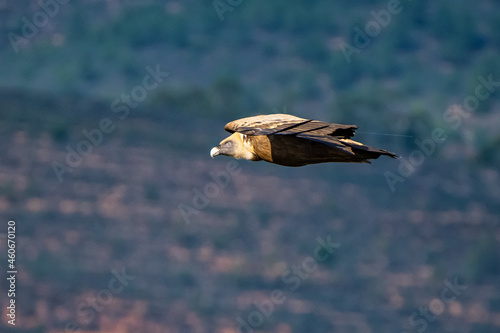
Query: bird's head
[(233, 146), (226, 147)]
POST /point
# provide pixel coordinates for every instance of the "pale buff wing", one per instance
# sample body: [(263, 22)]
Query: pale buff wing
[(284, 124)]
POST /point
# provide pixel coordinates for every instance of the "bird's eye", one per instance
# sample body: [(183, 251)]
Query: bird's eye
[(228, 144)]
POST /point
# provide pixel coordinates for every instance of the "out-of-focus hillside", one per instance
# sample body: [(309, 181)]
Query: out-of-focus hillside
[(143, 232), (318, 62)]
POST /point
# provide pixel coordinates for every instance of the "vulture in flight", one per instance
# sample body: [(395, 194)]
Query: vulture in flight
[(292, 141)]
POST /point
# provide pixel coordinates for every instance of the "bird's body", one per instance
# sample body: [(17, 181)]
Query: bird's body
[(292, 141)]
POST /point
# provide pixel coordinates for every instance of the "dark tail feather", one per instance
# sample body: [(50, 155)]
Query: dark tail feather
[(371, 153), (367, 152), (386, 153)]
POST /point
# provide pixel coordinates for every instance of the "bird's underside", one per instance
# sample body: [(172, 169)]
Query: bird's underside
[(292, 141)]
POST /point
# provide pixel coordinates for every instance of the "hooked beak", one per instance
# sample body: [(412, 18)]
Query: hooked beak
[(214, 152)]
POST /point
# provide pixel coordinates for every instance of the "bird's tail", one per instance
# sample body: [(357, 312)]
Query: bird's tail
[(366, 152)]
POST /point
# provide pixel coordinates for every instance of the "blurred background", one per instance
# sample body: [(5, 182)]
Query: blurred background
[(124, 223)]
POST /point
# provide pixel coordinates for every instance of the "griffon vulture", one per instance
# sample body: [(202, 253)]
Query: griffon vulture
[(292, 141)]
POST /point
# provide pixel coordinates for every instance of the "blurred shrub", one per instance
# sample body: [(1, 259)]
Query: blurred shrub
[(484, 328), (343, 75), (455, 27), (58, 131), (308, 87), (486, 148), (226, 95), (7, 190), (151, 192), (190, 100), (78, 26), (313, 49), (187, 279), (150, 24), (483, 260)]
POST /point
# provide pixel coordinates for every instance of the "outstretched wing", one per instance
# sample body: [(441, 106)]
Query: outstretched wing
[(284, 124)]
